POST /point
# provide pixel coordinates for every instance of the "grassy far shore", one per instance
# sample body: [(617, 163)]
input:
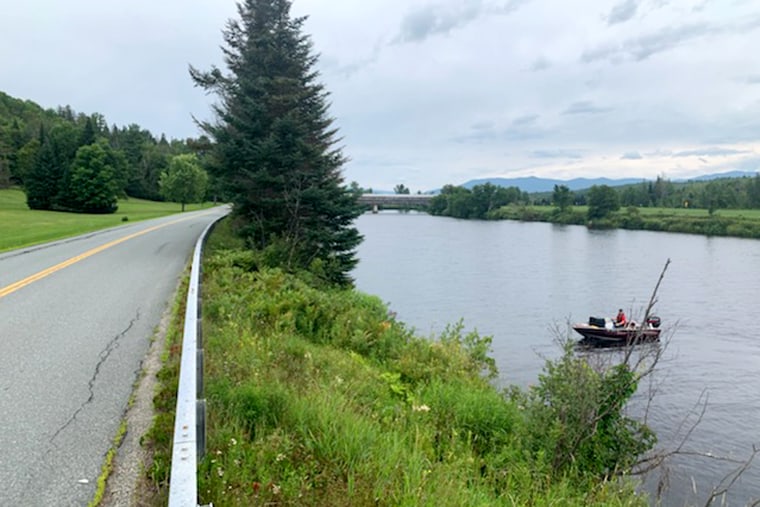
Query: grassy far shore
[(21, 227), (317, 396), (741, 223)]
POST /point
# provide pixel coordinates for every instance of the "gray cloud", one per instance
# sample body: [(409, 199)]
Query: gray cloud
[(539, 64), (521, 129), (622, 12), (523, 134), (333, 66), (528, 119), (632, 155), (641, 48), (585, 107), (753, 79), (439, 19), (700, 7), (709, 152), (483, 125), (556, 153)]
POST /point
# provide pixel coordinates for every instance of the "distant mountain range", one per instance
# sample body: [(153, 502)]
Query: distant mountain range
[(533, 184)]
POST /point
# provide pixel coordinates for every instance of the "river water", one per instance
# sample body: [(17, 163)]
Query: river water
[(522, 283)]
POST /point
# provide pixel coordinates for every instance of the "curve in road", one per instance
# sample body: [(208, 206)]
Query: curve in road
[(71, 346)]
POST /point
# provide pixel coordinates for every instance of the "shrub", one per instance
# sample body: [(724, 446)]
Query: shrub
[(576, 422)]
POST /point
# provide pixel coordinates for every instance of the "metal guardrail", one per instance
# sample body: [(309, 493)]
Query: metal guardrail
[(190, 421)]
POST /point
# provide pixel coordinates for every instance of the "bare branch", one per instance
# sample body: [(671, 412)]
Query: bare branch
[(729, 479)]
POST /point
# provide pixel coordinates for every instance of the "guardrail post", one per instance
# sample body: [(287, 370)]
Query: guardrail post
[(201, 428)]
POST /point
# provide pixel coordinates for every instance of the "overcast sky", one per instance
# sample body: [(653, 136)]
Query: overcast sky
[(430, 92)]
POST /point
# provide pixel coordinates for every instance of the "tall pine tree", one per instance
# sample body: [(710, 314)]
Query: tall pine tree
[(276, 145), (42, 181)]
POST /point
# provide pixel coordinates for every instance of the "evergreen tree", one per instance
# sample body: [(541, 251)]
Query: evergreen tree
[(275, 143), (41, 182), (87, 136)]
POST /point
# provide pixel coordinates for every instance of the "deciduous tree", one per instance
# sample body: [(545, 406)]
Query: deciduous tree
[(602, 200), (185, 181), (562, 197), (93, 185)]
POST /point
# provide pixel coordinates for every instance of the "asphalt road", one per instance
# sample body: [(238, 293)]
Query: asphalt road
[(72, 340)]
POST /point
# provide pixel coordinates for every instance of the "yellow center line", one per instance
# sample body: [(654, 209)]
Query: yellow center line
[(10, 289)]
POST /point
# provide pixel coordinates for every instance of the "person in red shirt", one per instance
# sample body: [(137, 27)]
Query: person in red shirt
[(620, 320)]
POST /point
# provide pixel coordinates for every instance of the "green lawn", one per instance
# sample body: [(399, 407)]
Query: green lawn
[(750, 214), (20, 226)]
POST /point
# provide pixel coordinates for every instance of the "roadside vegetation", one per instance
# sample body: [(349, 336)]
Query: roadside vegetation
[(318, 396), (20, 226)]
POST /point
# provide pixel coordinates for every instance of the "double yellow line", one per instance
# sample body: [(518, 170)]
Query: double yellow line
[(10, 289)]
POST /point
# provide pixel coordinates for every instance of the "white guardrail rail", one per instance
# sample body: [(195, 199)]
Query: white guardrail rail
[(190, 422)]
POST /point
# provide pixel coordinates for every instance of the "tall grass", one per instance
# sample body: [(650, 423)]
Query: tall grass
[(317, 396)]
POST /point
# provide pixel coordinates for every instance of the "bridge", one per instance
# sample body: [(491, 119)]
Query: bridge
[(395, 201)]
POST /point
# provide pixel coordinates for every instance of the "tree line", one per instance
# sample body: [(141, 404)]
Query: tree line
[(722, 193), (69, 161), (484, 201), (476, 203)]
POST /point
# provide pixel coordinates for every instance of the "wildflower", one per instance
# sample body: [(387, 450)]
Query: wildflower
[(276, 489), (338, 379), (220, 472), (233, 441), (420, 408), (307, 356), (280, 457)]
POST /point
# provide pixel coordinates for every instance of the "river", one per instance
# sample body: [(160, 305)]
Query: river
[(522, 283)]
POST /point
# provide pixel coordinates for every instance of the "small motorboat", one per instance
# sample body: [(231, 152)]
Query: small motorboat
[(603, 332)]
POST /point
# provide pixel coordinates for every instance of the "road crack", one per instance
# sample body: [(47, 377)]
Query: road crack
[(112, 345)]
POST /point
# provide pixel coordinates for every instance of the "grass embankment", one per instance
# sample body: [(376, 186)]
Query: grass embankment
[(20, 226), (742, 223), (316, 396)]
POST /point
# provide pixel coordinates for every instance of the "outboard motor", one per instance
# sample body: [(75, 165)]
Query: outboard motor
[(654, 321)]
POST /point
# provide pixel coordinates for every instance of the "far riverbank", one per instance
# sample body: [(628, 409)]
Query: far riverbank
[(740, 223)]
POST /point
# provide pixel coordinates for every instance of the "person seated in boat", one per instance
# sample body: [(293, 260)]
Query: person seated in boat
[(620, 320)]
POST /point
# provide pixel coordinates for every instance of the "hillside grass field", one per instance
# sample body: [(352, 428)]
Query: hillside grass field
[(21, 227)]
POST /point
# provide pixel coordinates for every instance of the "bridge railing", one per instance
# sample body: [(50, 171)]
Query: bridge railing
[(399, 201), (190, 420)]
